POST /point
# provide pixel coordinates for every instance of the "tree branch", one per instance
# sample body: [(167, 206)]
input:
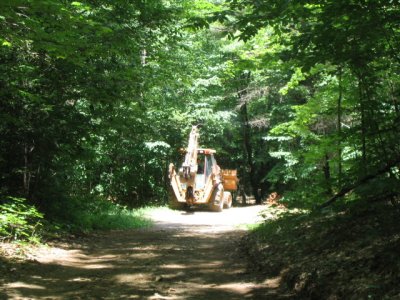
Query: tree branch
[(363, 180)]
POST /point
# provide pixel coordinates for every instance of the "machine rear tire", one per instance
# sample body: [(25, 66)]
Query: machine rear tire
[(218, 194), (227, 200)]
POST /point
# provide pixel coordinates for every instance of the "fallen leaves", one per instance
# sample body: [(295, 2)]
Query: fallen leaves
[(345, 254)]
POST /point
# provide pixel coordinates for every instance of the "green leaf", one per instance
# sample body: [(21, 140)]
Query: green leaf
[(5, 43)]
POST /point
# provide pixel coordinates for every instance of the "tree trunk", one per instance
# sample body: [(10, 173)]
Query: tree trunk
[(247, 138), (339, 125), (394, 98), (327, 175), (363, 126), (143, 56), (249, 153), (27, 174)]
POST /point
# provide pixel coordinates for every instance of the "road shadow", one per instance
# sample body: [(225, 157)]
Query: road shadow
[(170, 263), (188, 213)]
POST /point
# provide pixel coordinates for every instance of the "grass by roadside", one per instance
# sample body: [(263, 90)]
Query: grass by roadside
[(351, 252), (22, 227), (111, 217)]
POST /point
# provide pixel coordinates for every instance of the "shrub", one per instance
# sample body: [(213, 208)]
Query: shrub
[(19, 220)]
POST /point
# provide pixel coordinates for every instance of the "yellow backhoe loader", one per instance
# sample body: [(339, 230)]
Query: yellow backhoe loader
[(200, 181)]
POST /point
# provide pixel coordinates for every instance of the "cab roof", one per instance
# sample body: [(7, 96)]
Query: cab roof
[(206, 151)]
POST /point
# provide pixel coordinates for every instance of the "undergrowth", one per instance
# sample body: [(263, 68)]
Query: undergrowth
[(100, 214), (19, 221), (22, 223), (350, 252)]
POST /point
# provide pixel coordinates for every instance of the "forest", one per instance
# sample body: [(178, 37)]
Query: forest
[(98, 96)]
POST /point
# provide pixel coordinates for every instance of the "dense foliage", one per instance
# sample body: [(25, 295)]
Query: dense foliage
[(97, 96), (325, 81), (76, 102)]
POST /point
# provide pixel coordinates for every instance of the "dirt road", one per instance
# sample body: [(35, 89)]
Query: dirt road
[(186, 255)]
